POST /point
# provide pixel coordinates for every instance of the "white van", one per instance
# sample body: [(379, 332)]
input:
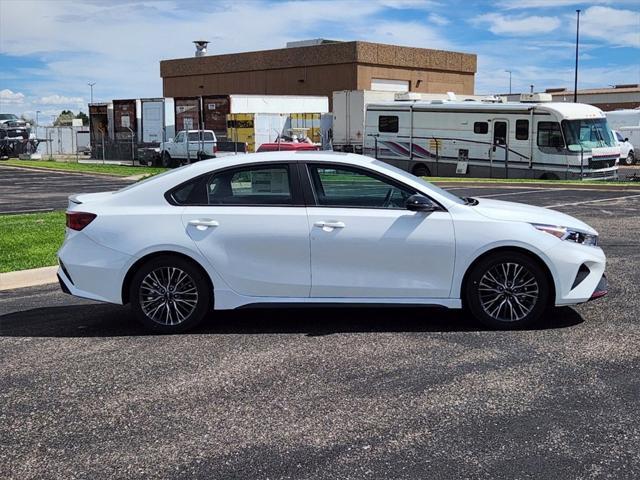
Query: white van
[(478, 139)]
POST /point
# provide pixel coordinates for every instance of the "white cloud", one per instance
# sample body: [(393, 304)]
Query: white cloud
[(437, 19), (614, 26), (517, 26), (409, 34), (9, 97), (60, 100)]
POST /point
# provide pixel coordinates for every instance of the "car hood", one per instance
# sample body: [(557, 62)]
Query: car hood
[(520, 212)]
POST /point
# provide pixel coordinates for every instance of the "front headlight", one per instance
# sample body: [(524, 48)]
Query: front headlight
[(565, 233)]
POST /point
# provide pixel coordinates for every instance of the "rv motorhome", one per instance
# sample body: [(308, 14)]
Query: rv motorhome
[(532, 138)]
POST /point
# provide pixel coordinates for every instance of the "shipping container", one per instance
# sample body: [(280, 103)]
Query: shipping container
[(187, 113), (215, 111), (125, 120), (99, 134), (152, 121), (309, 123), (254, 129)]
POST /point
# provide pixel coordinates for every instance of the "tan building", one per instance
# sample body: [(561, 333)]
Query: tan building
[(320, 68), (607, 99)]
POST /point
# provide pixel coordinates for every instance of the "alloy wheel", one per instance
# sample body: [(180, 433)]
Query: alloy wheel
[(168, 295), (508, 292)]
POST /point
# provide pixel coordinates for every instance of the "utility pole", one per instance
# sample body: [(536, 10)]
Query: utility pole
[(509, 72), (91, 84), (575, 80)]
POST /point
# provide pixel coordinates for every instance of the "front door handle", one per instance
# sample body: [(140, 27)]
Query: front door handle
[(203, 223), (324, 224)]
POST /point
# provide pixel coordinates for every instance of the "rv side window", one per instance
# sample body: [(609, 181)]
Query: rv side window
[(549, 134), (480, 127), (388, 124), (522, 129)]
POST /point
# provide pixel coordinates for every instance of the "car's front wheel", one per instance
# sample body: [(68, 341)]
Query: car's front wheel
[(630, 160), (507, 290), (169, 294)]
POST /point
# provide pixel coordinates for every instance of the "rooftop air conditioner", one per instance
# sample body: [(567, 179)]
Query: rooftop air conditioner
[(535, 97)]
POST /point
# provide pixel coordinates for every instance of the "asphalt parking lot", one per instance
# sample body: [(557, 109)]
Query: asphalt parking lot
[(332, 393), (25, 191)]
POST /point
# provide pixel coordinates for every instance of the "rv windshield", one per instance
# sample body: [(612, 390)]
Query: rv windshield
[(586, 134)]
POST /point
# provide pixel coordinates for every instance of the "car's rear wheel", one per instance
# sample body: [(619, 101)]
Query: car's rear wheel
[(169, 294), (507, 290)]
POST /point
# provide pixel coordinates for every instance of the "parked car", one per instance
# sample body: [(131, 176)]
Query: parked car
[(627, 152), (320, 228), (13, 127), (201, 146)]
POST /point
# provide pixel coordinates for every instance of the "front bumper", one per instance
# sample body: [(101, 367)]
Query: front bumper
[(578, 271), (601, 289)]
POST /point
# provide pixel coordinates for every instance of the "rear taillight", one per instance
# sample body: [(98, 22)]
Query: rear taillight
[(79, 220)]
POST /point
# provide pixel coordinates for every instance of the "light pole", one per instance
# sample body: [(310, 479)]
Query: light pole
[(37, 112), (575, 80), (509, 72), (91, 84)]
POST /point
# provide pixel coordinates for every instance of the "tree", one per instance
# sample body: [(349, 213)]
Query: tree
[(64, 119), (84, 117)]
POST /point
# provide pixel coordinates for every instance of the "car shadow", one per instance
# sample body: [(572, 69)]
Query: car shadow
[(103, 320)]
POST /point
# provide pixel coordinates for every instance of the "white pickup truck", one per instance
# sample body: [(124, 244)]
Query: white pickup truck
[(201, 145)]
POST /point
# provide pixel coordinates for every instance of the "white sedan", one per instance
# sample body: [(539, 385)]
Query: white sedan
[(320, 228)]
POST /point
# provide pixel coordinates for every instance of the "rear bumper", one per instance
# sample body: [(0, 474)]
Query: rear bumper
[(89, 270)]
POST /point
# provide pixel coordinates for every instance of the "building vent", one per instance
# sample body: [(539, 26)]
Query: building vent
[(535, 97), (201, 47), (310, 43)]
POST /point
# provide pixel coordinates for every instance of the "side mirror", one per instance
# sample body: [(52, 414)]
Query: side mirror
[(626, 139), (420, 203), (170, 140)]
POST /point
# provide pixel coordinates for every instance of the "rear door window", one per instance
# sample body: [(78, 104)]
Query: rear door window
[(257, 185)]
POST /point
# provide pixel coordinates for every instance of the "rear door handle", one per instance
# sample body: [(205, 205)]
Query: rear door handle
[(324, 224), (203, 223)]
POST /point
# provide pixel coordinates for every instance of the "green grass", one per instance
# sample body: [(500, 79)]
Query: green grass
[(30, 240), (72, 166)]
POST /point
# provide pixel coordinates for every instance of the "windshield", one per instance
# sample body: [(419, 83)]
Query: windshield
[(429, 187), (586, 134), (8, 116)]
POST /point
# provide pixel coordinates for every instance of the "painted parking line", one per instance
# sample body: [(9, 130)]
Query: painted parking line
[(573, 204), (517, 193)]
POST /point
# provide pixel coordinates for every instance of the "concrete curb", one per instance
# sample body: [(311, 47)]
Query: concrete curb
[(28, 278)]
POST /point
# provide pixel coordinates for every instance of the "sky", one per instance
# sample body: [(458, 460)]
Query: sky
[(51, 49)]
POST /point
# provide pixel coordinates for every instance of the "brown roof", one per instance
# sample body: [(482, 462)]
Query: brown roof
[(327, 54), (622, 89)]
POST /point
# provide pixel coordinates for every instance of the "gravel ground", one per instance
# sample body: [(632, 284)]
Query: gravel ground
[(401, 393)]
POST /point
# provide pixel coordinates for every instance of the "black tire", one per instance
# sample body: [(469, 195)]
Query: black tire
[(630, 160), (168, 320), (421, 170), (166, 160), (480, 291)]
